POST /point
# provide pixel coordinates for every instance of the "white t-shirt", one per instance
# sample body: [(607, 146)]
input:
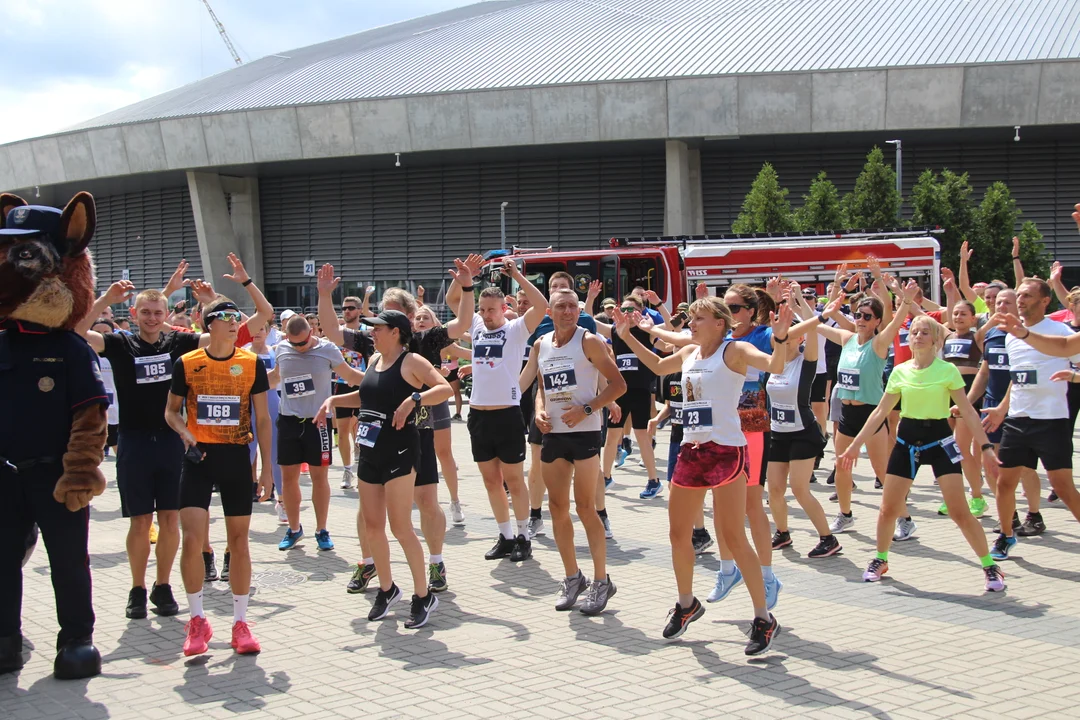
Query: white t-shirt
[(1034, 395), (110, 390), (496, 362)]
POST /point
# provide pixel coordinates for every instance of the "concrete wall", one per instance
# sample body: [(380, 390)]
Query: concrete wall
[(686, 108)]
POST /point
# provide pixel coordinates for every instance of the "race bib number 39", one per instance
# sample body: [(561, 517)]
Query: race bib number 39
[(697, 416), (218, 410), (299, 386), (1023, 378), (153, 369), (847, 379)]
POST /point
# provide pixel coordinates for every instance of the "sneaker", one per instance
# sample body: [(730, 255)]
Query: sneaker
[(597, 596), (522, 549), (608, 481), (826, 546), (502, 548), (534, 527), (360, 579), (209, 567), (569, 589), (679, 618), (1033, 525), (943, 510), (875, 570), (457, 516), (136, 606), (834, 498), (305, 469), (456, 417), (905, 529), (291, 538), (282, 516), (772, 592), (762, 633), (878, 485), (724, 585), (995, 579), (621, 456), (243, 642), (652, 489), (977, 506), (832, 478), (164, 602), (813, 478), (1002, 546), (153, 534), (322, 538), (383, 601), (702, 541), (781, 539), (436, 575), (1052, 497), (421, 610), (225, 569), (198, 635), (607, 527), (346, 479), (842, 523), (1015, 524)]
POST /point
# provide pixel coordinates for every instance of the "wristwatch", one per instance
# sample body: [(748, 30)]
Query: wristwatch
[(987, 446), (588, 409), (416, 398)]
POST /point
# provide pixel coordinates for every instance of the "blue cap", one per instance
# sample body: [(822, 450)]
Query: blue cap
[(33, 220)]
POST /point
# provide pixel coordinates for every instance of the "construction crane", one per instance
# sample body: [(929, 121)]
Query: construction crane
[(224, 35)]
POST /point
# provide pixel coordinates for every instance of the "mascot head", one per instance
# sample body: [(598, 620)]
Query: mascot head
[(46, 272)]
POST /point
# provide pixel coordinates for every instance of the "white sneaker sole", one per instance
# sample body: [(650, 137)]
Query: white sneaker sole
[(427, 617)]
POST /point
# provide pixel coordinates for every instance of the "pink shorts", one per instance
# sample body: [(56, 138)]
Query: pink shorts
[(710, 465)]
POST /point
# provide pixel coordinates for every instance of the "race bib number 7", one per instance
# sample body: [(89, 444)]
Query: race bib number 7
[(218, 410), (153, 369)]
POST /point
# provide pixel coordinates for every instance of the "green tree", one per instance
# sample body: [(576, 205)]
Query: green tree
[(944, 201), (766, 207), (821, 207), (874, 203), (995, 225)]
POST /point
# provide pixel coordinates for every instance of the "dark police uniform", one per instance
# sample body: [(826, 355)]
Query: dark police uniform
[(46, 376)]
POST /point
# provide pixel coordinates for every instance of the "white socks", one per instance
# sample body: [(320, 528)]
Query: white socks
[(506, 530), (194, 601), (436, 559), (369, 561), (523, 528), (239, 608)]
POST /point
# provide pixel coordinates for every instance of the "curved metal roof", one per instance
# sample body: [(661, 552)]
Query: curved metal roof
[(528, 43)]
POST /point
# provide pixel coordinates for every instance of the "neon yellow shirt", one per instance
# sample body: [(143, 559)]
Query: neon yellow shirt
[(925, 392), (981, 306)]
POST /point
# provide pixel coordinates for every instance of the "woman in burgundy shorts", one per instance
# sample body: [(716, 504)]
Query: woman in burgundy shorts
[(713, 455)]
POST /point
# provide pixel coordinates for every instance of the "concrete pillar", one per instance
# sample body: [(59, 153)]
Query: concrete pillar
[(221, 232), (697, 204), (682, 198)]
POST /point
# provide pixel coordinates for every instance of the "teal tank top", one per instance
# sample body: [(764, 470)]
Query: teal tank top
[(859, 373)]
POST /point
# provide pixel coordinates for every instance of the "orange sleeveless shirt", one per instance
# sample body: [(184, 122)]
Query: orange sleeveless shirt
[(219, 396)]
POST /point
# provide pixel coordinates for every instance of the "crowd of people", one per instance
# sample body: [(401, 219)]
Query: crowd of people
[(752, 384)]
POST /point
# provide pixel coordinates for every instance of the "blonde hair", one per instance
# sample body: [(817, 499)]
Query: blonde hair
[(937, 330), (152, 296), (716, 307), (1074, 295), (400, 297)]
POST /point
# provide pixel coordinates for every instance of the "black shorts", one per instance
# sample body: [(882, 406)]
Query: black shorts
[(535, 436), (497, 434), (636, 404), (344, 412), (571, 446), (805, 444), (225, 467), (1024, 441), (148, 466), (854, 417), (396, 454), (911, 434), (817, 390), (427, 467), (969, 380), (300, 440), (112, 436)]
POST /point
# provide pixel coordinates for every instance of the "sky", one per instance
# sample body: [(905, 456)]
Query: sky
[(72, 60)]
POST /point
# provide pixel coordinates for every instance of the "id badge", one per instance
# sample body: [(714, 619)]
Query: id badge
[(848, 379), (697, 416), (299, 386), (1024, 377), (628, 362), (153, 369), (676, 413), (783, 415), (998, 360), (218, 410)]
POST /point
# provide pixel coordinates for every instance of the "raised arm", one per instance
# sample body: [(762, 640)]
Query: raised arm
[(1018, 267), (590, 297), (661, 366), (885, 338), (117, 292), (1056, 345), (176, 280), (328, 319), (537, 301), (1060, 291), (264, 311), (965, 282), (365, 304), (453, 295), (459, 326)]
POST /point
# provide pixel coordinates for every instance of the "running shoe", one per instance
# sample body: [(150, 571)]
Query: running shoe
[(725, 583), (772, 592), (652, 489), (534, 527), (322, 537), (875, 570), (597, 596), (826, 546), (977, 506), (421, 610), (502, 548), (360, 579), (346, 479), (1052, 497), (1002, 546), (679, 618), (209, 567), (781, 539), (243, 642), (1016, 525), (995, 579), (198, 635), (569, 589), (282, 516), (522, 549), (457, 515), (456, 417), (608, 481), (762, 633), (607, 527), (842, 523), (153, 533), (436, 575), (383, 601), (164, 603), (136, 605), (305, 469), (225, 569), (291, 538), (905, 529), (832, 477), (621, 456), (878, 485), (1033, 525), (835, 497), (702, 540)]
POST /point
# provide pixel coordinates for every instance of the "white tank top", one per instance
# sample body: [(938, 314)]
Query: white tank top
[(569, 378), (497, 362), (711, 393), (783, 392)]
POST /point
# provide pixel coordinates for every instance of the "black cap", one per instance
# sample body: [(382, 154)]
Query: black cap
[(391, 318), (32, 220)]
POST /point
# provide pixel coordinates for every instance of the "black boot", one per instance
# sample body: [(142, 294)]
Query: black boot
[(11, 656), (77, 659)]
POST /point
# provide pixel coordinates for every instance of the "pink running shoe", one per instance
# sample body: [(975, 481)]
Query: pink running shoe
[(243, 642), (198, 635)]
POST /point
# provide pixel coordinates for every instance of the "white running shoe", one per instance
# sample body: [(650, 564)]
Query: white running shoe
[(457, 515), (346, 479), (282, 517), (905, 529), (535, 527), (842, 523), (607, 528)]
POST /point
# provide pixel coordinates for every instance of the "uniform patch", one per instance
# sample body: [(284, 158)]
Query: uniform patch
[(235, 370), (46, 384)]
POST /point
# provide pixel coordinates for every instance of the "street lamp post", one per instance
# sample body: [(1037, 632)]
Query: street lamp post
[(502, 220), (899, 174)]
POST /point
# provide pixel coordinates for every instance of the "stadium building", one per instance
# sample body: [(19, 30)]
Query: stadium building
[(391, 151)]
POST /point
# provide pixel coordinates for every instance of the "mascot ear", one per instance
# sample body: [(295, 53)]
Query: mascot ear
[(78, 222), (9, 202)]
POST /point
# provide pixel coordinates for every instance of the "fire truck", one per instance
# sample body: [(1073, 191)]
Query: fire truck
[(673, 266)]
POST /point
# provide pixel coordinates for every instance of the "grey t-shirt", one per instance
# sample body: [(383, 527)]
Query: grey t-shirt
[(305, 377)]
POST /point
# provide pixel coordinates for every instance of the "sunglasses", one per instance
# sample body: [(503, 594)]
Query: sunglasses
[(301, 343), (226, 315), (629, 309), (349, 308), (866, 316), (736, 307)]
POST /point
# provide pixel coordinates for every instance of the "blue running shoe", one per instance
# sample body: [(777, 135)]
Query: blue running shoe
[(291, 538), (1001, 548), (621, 456), (608, 481), (772, 592), (724, 585), (322, 537), (651, 490)]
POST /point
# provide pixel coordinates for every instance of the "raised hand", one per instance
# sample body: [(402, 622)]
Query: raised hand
[(595, 288), (239, 274), (460, 272), (1076, 215), (833, 307), (1055, 272), (1008, 322), (176, 280), (510, 267), (781, 320), (966, 252), (874, 264), (651, 297), (701, 291), (1016, 247), (120, 291), (911, 291), (643, 321), (326, 280), (420, 292), (202, 290), (623, 321), (947, 275)]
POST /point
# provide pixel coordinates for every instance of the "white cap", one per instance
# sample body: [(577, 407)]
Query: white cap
[(286, 314)]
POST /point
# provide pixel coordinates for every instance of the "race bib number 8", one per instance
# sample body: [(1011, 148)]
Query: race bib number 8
[(218, 410), (1023, 378), (153, 369), (299, 386), (998, 359), (697, 416), (847, 379), (628, 362)]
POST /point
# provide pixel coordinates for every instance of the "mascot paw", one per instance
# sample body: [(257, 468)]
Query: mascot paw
[(77, 659), (75, 490)]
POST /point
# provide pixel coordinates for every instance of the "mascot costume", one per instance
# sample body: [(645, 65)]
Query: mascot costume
[(52, 421)]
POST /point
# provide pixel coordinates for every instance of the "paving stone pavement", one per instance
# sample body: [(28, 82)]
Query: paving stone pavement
[(926, 642)]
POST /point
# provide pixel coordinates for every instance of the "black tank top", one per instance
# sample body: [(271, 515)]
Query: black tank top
[(381, 394), (636, 374)]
